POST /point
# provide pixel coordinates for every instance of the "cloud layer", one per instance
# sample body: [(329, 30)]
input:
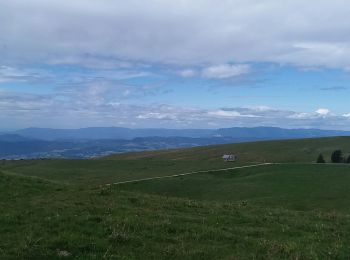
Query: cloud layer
[(96, 108), (303, 33), (80, 63)]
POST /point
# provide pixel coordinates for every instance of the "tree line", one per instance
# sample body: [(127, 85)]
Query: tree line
[(336, 157)]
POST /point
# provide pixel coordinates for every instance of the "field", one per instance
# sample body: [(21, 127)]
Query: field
[(296, 187), (295, 210)]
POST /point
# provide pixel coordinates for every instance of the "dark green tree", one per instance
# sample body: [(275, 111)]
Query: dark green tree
[(337, 157), (320, 159)]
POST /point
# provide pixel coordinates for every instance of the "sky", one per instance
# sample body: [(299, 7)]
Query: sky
[(174, 64)]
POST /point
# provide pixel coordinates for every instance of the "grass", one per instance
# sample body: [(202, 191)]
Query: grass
[(53, 209), (286, 151), (46, 220), (95, 172), (295, 186)]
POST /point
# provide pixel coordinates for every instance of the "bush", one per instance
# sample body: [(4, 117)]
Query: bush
[(320, 159), (337, 157)]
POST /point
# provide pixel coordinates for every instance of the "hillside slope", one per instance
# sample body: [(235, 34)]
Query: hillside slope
[(289, 211), (43, 220), (287, 151), (306, 187), (133, 166)]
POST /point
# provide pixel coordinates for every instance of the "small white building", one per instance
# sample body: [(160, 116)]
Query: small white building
[(229, 157)]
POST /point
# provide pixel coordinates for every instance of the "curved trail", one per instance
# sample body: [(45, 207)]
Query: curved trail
[(190, 173)]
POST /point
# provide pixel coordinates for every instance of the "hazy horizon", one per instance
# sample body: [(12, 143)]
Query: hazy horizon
[(165, 128)]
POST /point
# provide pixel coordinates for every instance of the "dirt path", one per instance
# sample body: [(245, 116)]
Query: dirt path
[(189, 173)]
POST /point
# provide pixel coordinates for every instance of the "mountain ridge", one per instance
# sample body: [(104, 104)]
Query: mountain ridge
[(97, 142), (96, 133)]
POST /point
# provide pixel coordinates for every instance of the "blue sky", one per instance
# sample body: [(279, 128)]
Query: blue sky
[(189, 64)]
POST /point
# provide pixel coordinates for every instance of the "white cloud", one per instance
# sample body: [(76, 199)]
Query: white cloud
[(319, 113), (300, 116), (222, 113), (229, 113), (261, 108), (8, 74), (188, 73), (323, 111), (304, 33), (157, 115), (97, 107), (346, 115), (225, 71)]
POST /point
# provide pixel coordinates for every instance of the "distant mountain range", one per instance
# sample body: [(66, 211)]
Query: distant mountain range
[(99, 141), (97, 133)]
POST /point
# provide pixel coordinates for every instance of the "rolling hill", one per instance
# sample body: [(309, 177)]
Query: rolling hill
[(298, 150), (293, 210), (128, 166)]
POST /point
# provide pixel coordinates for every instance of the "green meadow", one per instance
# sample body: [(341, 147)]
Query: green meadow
[(54, 209), (293, 186), (130, 166)]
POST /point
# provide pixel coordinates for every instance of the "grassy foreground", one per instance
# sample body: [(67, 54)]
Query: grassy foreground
[(44, 220), (53, 209)]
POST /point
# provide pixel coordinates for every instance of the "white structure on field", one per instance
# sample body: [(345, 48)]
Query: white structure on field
[(229, 157)]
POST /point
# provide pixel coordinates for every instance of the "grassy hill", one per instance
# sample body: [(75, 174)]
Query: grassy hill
[(288, 151), (122, 167), (44, 220), (57, 208), (295, 186)]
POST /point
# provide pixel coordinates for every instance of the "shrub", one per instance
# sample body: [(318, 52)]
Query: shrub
[(337, 157), (320, 159)]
